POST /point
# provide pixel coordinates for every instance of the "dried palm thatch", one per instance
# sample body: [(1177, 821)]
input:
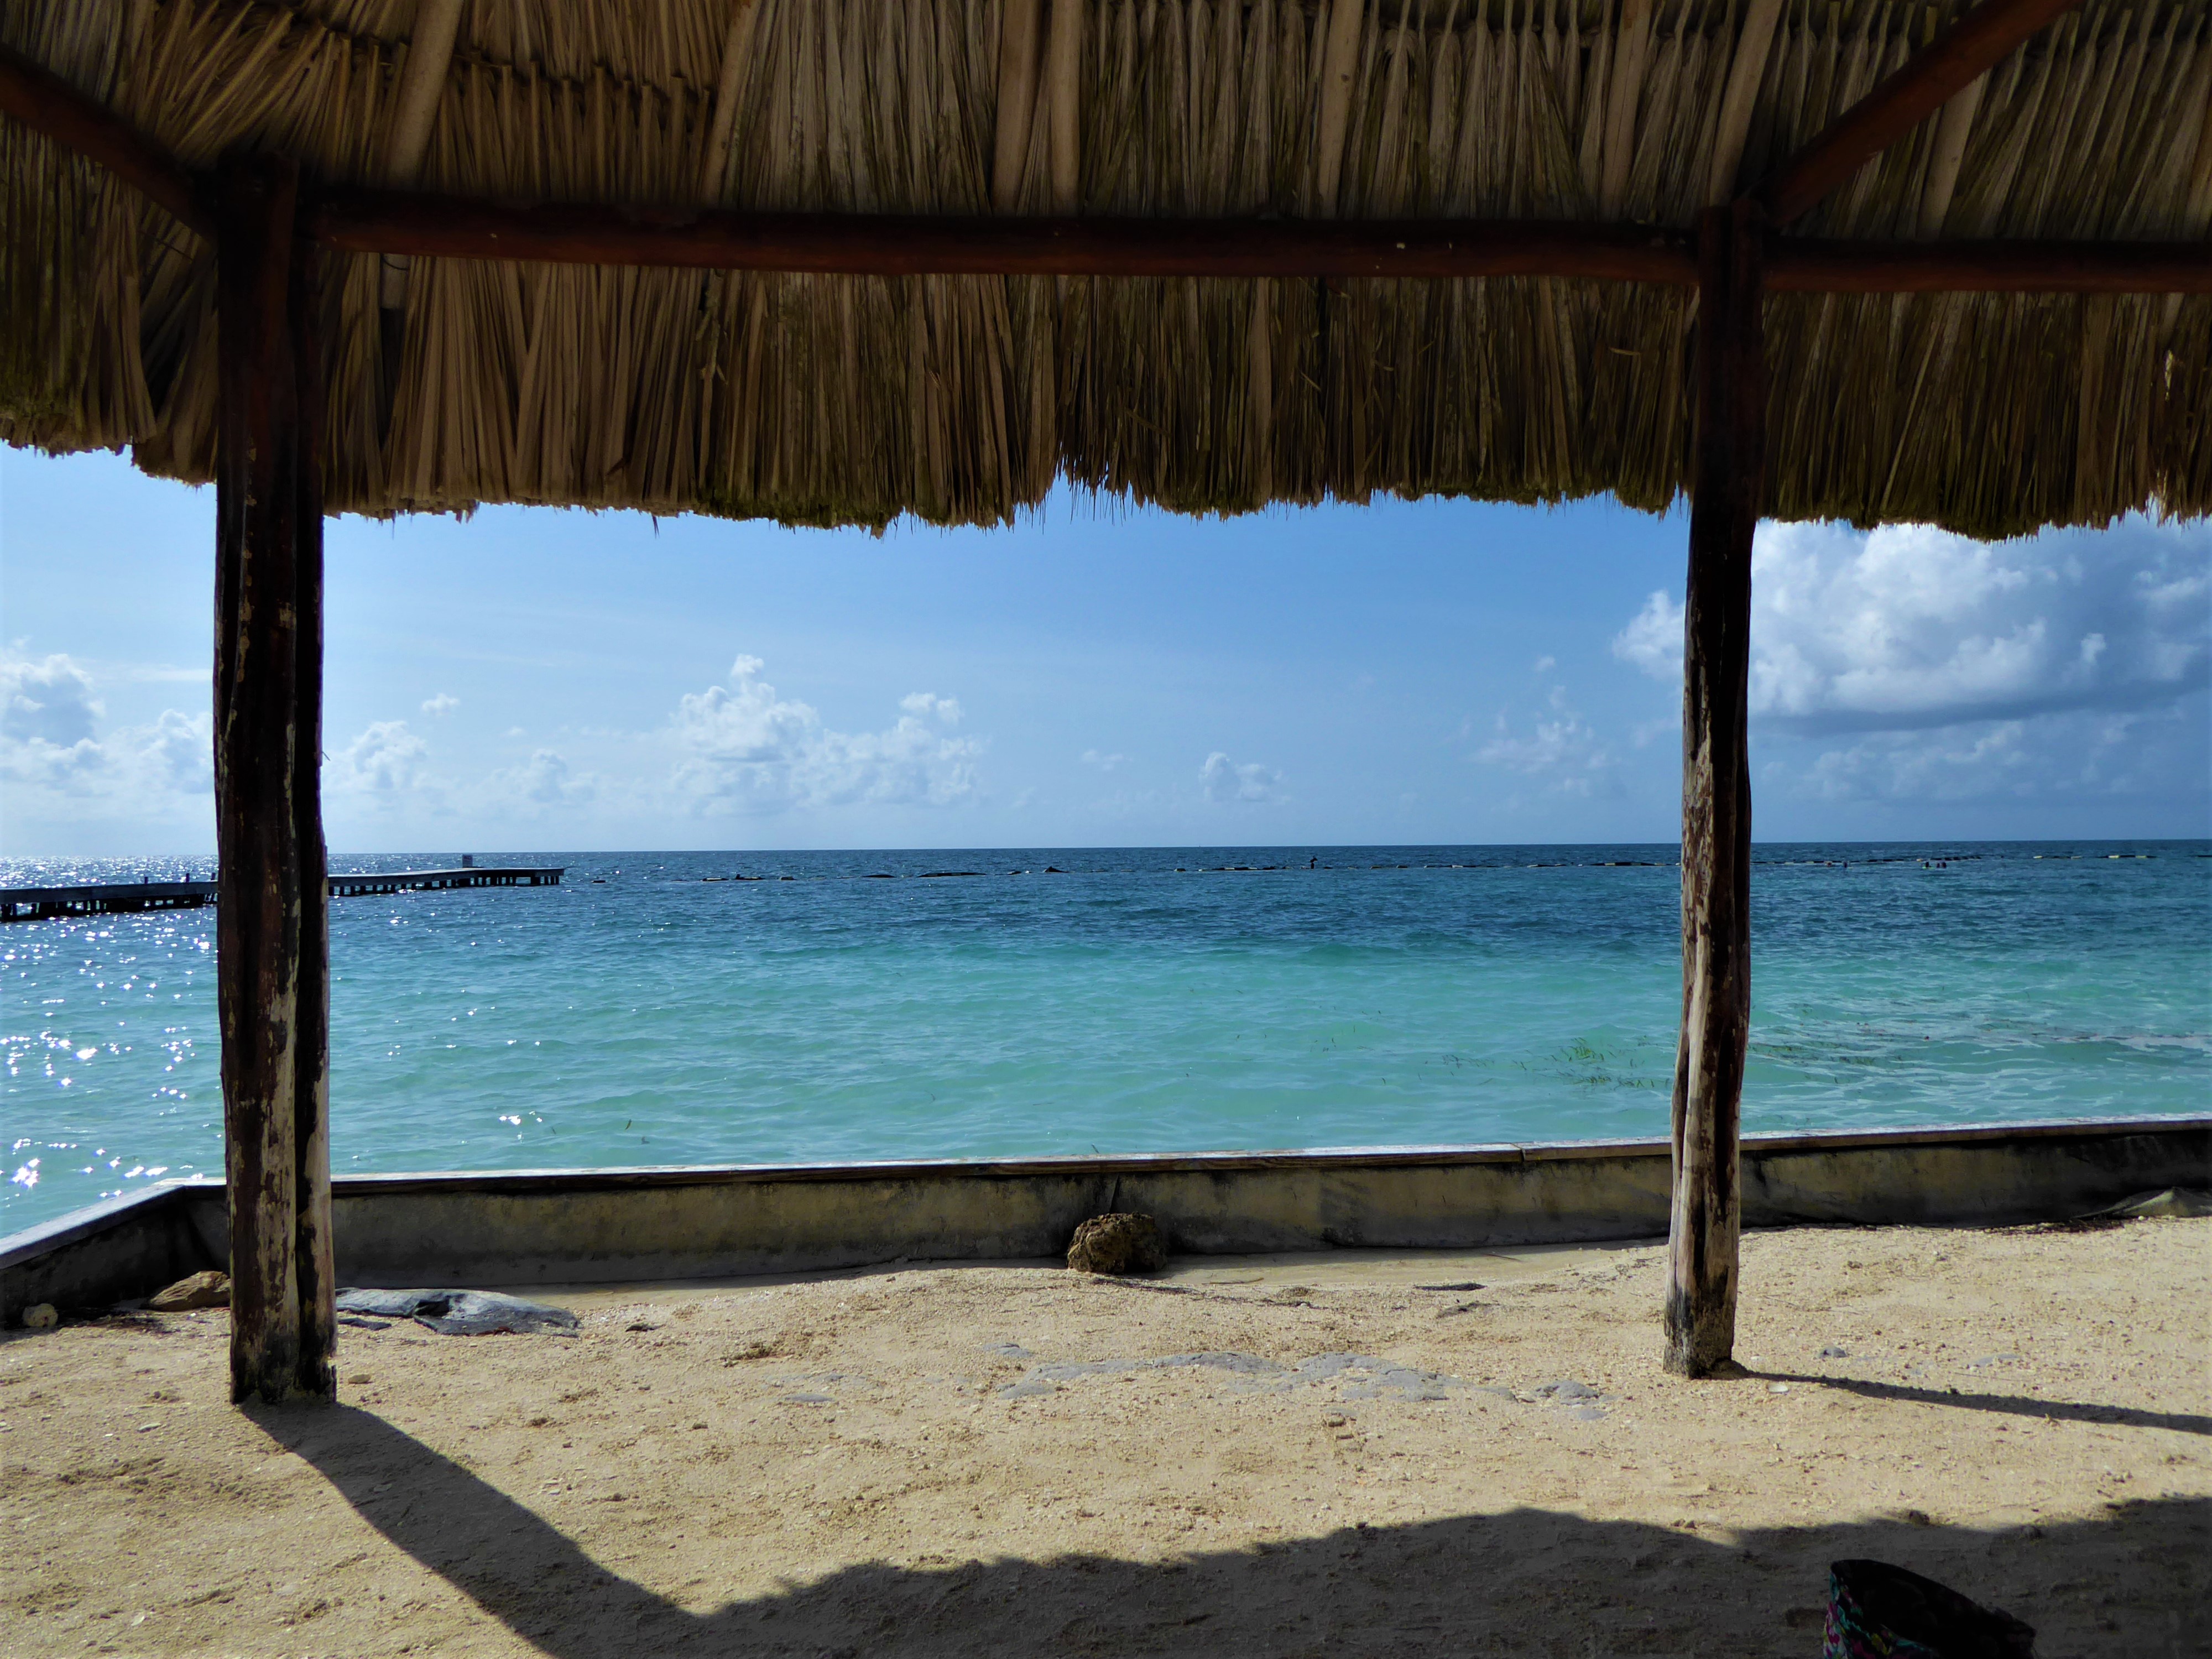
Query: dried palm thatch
[(852, 399)]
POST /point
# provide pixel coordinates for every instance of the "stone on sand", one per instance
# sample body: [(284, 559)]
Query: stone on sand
[(210, 1289), (1118, 1243)]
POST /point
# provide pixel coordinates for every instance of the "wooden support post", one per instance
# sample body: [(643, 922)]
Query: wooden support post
[(271, 926), (1728, 477), (314, 1262)]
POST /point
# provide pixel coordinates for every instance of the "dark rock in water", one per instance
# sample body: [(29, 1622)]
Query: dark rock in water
[(1874, 1608), (210, 1289), (460, 1313), (1118, 1245)]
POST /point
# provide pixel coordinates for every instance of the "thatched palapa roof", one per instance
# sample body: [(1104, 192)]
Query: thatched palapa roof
[(850, 399)]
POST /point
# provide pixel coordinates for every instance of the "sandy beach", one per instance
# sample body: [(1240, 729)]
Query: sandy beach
[(1359, 1453)]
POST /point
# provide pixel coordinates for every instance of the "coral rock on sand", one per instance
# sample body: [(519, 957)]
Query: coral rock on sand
[(1118, 1245), (210, 1289), (41, 1316)]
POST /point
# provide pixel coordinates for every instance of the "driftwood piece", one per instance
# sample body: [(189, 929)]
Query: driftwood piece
[(268, 637), (1729, 475)]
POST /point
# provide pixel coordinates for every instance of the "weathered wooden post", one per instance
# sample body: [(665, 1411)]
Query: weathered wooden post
[(271, 925), (1729, 478)]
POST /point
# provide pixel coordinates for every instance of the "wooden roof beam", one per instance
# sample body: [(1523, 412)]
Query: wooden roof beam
[(51, 106), (1974, 44), (368, 221), (361, 220), (1804, 265)]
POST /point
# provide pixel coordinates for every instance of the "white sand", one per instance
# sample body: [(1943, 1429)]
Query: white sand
[(833, 1466)]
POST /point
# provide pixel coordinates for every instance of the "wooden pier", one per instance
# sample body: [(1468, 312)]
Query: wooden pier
[(113, 898), (45, 904), (471, 875)]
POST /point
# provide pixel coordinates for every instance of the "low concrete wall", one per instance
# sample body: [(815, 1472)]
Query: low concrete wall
[(109, 1252), (587, 1226)]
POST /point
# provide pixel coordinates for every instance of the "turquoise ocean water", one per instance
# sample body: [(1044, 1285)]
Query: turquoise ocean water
[(655, 1010)]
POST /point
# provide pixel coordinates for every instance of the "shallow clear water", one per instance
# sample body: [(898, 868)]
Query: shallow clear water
[(1142, 1001)]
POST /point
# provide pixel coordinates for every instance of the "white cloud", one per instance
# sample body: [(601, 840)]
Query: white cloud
[(385, 761), (923, 704), (1911, 628), (49, 702), (50, 743), (1104, 762), (441, 705), (1225, 780), (1653, 639), (1564, 749), (2078, 753), (1926, 667), (1545, 665), (544, 781), (749, 750)]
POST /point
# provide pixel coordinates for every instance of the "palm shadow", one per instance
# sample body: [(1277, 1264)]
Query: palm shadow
[(1524, 1582)]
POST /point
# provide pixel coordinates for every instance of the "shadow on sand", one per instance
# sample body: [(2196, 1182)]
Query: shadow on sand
[(1524, 1582)]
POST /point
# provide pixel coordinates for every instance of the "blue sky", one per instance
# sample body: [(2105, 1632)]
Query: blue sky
[(1406, 672)]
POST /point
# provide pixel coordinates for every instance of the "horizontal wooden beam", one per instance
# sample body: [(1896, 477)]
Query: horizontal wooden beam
[(364, 220), (1807, 265), (49, 105), (1976, 43), (361, 220)]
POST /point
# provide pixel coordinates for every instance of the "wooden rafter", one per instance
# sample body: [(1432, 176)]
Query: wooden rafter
[(1996, 265), (367, 221), (49, 105), (1974, 44), (363, 221)]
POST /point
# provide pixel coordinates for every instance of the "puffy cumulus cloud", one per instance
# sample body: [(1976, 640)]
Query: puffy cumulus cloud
[(925, 705), (441, 705), (1563, 749), (747, 749), (1908, 627), (1226, 781), (51, 743), (385, 761), (49, 702), (544, 781), (1653, 639)]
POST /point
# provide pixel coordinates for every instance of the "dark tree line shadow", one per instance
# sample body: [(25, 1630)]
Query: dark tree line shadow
[(2137, 1582)]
